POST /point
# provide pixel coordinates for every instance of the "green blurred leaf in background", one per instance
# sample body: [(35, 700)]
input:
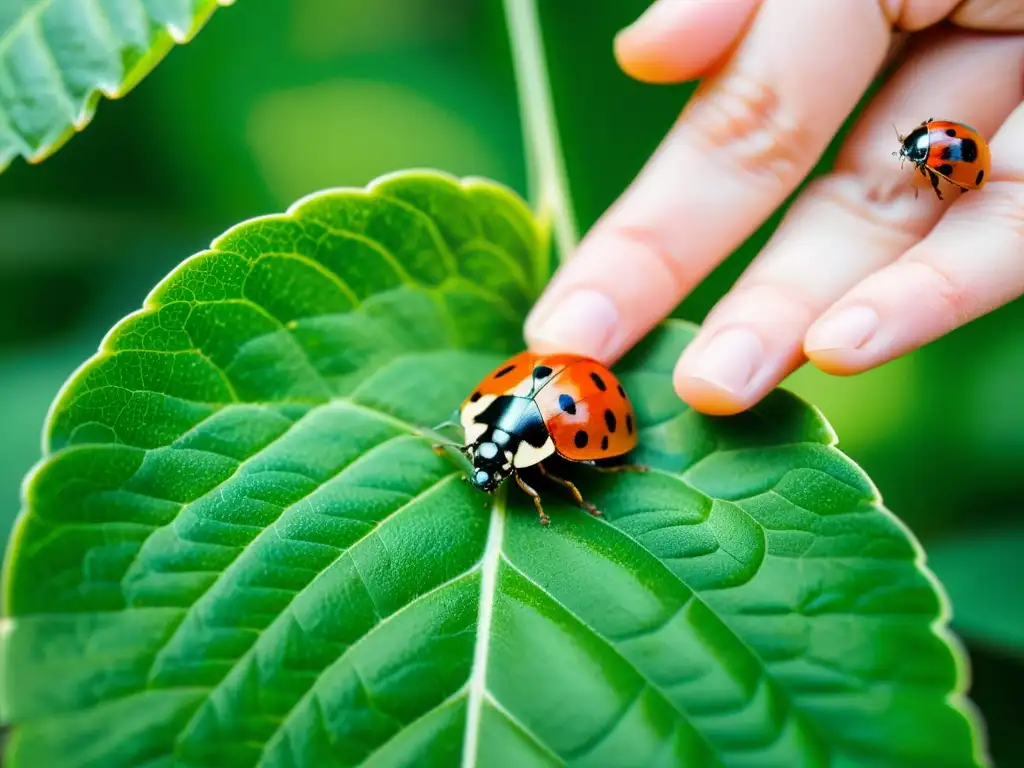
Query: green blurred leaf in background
[(58, 56), (979, 570)]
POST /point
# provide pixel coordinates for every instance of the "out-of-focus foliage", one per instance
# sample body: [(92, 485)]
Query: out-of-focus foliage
[(979, 570), (85, 235), (59, 56)]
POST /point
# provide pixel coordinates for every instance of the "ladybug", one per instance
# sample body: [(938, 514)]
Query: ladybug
[(950, 150), (535, 407)]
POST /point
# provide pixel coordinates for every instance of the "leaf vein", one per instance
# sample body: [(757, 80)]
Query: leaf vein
[(684, 716)]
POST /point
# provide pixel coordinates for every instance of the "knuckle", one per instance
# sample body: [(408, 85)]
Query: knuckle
[(748, 120), (989, 14), (1004, 205), (886, 202), (651, 243), (950, 291), (770, 301)]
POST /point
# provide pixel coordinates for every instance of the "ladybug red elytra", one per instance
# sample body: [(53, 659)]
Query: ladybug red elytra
[(533, 407), (950, 150)]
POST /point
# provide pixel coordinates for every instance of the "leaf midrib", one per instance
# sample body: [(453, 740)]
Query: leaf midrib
[(489, 565)]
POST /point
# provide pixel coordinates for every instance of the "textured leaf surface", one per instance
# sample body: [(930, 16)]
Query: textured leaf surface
[(58, 56), (238, 551), (980, 572)]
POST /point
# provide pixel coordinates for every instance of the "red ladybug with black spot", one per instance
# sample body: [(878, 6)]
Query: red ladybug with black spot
[(535, 407), (949, 150)]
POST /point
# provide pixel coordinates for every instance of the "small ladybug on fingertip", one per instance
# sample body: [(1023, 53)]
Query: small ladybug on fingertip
[(532, 408), (948, 150)]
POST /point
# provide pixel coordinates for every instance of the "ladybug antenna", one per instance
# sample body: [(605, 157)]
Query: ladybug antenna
[(899, 138)]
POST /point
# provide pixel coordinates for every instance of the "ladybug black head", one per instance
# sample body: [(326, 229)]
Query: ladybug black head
[(490, 466), (915, 146)]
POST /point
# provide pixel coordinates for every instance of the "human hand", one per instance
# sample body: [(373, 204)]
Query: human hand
[(860, 271)]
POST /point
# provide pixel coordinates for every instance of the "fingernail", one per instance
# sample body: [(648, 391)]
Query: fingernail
[(849, 328), (730, 360), (656, 16), (583, 322)]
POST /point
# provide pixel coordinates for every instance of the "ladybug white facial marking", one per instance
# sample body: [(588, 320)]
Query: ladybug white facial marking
[(473, 429), (527, 455)]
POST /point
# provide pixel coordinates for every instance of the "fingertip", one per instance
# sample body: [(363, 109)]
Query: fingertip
[(707, 397), (678, 40), (580, 322), (721, 374), (837, 362), (840, 341), (638, 61)]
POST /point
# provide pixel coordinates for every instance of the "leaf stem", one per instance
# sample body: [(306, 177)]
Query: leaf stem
[(546, 176)]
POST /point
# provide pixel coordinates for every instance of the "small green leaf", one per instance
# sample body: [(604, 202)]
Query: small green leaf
[(238, 550), (980, 572), (58, 56)]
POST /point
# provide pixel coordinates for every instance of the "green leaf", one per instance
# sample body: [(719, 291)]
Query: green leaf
[(980, 572), (239, 551), (58, 56)]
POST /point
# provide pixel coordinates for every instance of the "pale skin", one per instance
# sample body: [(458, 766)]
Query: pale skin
[(861, 270)]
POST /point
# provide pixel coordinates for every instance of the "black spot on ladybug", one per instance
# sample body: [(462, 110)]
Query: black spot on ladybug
[(622, 392), (581, 439), (474, 397), (968, 150), (951, 132), (541, 372), (567, 404), (503, 371), (604, 443), (609, 419), (598, 381), (945, 169), (629, 423), (947, 153), (981, 175)]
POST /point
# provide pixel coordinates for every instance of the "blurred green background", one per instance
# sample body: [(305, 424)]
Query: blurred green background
[(273, 101)]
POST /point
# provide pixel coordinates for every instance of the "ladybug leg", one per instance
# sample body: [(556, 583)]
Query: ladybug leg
[(621, 468), (438, 448), (572, 489), (935, 183), (544, 519)]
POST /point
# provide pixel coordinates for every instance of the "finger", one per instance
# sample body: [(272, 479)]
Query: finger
[(989, 14), (912, 15), (971, 263), (744, 141), (858, 219), (677, 40)]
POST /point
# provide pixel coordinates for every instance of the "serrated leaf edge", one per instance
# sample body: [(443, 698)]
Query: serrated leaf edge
[(154, 56), (477, 692), (150, 302), (957, 699)]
